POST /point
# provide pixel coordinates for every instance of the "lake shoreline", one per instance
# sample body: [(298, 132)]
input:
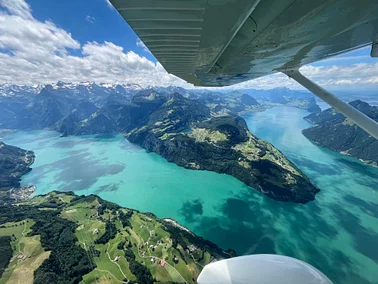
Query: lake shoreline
[(334, 233)]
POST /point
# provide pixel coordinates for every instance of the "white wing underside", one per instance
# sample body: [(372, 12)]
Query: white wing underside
[(223, 42)]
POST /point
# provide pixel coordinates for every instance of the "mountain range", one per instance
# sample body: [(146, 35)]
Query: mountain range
[(194, 129), (83, 88), (97, 92), (43, 106)]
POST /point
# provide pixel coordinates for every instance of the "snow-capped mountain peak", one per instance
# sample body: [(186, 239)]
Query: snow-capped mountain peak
[(14, 90), (82, 88)]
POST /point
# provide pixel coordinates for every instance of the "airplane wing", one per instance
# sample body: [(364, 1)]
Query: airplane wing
[(223, 42)]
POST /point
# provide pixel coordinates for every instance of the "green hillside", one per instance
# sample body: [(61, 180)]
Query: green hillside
[(64, 238)]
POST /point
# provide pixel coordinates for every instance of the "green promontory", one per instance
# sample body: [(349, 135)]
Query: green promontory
[(184, 132)]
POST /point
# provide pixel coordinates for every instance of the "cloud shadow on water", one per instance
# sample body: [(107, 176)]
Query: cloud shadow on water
[(365, 240), (79, 171), (249, 226), (107, 188), (231, 229), (367, 207), (191, 210), (70, 143), (77, 185), (318, 168), (357, 166)]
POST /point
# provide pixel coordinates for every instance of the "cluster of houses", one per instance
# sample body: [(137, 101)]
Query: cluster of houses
[(19, 257), (152, 247), (191, 249), (22, 193), (153, 259)]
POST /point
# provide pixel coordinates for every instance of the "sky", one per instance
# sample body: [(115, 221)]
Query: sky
[(45, 41)]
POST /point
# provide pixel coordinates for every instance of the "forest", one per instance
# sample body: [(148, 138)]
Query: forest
[(5, 253), (67, 263)]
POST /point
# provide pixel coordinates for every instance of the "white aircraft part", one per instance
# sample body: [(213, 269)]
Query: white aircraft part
[(223, 42), (363, 121), (261, 269)]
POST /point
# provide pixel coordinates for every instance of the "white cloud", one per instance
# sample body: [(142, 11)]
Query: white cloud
[(39, 52), (33, 52), (29, 39), (142, 45), (90, 19), (346, 75), (277, 80), (17, 7), (333, 77)]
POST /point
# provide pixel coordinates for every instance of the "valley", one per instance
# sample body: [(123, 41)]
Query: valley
[(166, 121)]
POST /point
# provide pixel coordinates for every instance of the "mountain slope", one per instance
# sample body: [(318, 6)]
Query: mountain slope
[(86, 238), (230, 102), (338, 133), (14, 163), (184, 132), (50, 107), (285, 96), (36, 107)]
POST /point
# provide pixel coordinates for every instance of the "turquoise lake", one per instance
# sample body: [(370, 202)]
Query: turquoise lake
[(337, 233)]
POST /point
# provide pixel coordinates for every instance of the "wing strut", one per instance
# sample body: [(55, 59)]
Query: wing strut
[(363, 121)]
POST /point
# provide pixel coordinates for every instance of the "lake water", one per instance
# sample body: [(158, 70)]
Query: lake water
[(337, 233)]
